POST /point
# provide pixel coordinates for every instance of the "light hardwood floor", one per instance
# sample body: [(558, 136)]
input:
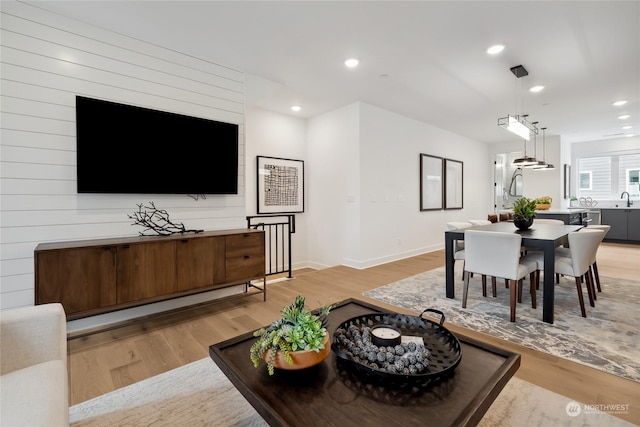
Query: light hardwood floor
[(104, 361)]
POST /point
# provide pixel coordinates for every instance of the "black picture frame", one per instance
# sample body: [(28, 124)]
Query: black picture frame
[(431, 182), (453, 184), (280, 185)]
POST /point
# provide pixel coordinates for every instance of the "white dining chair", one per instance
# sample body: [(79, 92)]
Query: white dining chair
[(582, 248), (562, 251), (548, 221), (458, 246), (477, 222), (497, 254)]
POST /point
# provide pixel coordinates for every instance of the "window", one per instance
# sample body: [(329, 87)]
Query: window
[(585, 180), (605, 177), (632, 182)]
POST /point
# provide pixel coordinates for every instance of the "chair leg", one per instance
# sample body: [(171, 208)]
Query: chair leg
[(594, 267), (520, 290), (493, 286), (532, 284), (465, 288), (591, 290), (484, 285), (580, 297), (512, 301), (557, 278)]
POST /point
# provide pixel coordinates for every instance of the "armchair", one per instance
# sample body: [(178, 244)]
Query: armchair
[(33, 366)]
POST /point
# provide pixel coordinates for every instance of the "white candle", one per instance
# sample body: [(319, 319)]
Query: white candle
[(385, 333)]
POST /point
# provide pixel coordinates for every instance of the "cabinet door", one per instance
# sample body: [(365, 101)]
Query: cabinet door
[(200, 262), (82, 279), (244, 256), (633, 224), (617, 219), (146, 270)]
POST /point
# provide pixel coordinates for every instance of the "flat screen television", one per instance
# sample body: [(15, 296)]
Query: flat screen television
[(133, 150)]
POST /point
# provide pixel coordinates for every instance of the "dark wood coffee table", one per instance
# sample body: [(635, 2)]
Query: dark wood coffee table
[(331, 394)]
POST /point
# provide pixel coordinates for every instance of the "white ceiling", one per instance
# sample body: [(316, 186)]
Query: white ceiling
[(422, 59)]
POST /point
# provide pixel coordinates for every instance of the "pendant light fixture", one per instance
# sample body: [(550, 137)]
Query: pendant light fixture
[(547, 166), (518, 124), (525, 161), (539, 163)]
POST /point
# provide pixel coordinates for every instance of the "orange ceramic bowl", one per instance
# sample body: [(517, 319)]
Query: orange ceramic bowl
[(301, 359)]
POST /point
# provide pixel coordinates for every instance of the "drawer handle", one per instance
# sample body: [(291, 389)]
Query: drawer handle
[(247, 257), (125, 247)]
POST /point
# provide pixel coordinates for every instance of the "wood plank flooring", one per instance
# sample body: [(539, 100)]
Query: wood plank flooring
[(106, 360)]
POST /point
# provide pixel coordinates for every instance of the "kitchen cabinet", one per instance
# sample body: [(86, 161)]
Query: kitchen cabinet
[(625, 224), (98, 276)]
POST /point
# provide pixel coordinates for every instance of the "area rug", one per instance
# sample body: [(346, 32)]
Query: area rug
[(199, 394), (607, 339)]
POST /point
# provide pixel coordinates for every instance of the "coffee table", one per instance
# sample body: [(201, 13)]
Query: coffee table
[(332, 394)]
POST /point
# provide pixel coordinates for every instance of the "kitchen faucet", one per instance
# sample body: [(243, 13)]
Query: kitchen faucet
[(629, 202)]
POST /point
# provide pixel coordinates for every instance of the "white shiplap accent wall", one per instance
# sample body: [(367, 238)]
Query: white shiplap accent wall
[(46, 60)]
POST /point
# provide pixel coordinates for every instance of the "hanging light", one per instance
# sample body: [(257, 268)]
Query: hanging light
[(525, 161), (539, 163), (518, 124), (547, 166)]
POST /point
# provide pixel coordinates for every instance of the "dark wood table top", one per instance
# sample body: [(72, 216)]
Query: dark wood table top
[(549, 232), (330, 395)]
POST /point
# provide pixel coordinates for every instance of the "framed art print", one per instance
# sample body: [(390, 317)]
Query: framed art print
[(431, 175), (280, 185), (453, 184)]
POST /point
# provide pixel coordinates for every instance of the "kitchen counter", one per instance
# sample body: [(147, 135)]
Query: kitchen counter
[(569, 216)]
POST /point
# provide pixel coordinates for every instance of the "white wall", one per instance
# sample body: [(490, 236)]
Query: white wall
[(392, 225), (46, 61), (333, 187), (277, 135), (364, 186)]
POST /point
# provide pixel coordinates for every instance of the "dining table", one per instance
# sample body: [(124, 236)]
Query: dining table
[(545, 237)]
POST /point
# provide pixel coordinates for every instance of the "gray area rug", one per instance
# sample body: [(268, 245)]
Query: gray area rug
[(199, 394), (607, 339)]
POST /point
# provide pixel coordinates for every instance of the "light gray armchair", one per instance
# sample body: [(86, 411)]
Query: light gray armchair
[(33, 366)]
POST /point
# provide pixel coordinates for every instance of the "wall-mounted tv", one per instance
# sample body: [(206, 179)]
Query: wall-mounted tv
[(127, 149)]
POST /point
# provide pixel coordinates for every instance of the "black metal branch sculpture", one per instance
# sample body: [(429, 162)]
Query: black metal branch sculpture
[(157, 220)]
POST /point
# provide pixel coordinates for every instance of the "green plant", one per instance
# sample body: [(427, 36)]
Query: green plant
[(573, 198), (524, 208), (297, 330), (544, 200)]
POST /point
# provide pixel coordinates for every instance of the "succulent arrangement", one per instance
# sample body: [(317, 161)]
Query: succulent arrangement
[(298, 329)]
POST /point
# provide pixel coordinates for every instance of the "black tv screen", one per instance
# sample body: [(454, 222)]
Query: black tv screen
[(127, 149)]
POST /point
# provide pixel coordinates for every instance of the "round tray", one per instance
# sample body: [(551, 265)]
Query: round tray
[(444, 347)]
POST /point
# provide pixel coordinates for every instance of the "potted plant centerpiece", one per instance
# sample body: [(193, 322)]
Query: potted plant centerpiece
[(298, 340), (524, 210)]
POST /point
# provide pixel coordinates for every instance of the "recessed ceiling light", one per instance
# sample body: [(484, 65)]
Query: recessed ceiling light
[(495, 49), (627, 127), (351, 62), (629, 135), (619, 103), (537, 88), (624, 116), (296, 108)]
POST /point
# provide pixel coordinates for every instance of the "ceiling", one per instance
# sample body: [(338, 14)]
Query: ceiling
[(423, 59)]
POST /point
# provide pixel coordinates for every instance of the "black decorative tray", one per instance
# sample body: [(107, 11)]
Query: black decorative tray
[(444, 347)]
